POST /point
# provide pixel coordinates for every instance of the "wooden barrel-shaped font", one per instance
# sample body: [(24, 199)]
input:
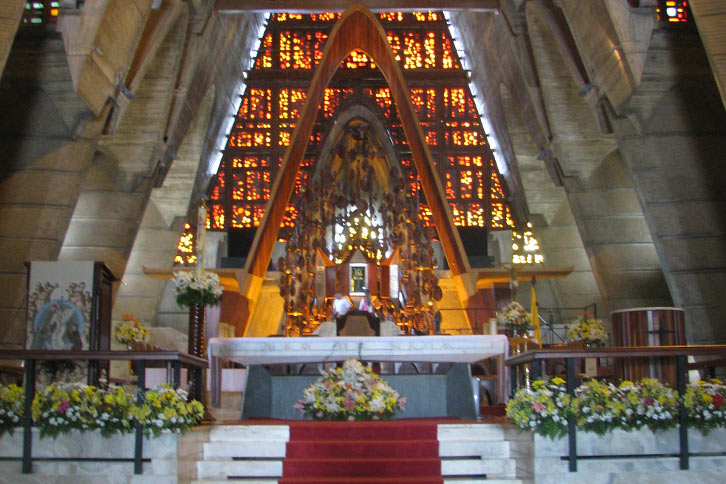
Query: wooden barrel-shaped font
[(661, 326)]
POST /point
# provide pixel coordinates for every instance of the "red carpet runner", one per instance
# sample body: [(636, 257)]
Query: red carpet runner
[(392, 452)]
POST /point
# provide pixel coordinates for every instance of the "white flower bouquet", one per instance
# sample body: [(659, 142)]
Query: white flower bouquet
[(514, 317), (351, 392), (200, 288)]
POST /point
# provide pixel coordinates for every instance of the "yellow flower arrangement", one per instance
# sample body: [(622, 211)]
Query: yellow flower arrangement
[(704, 402), (596, 407), (589, 330), (58, 409), (130, 330), (11, 408), (543, 409), (166, 410), (61, 408)]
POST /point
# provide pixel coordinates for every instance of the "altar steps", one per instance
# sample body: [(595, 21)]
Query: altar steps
[(254, 454)]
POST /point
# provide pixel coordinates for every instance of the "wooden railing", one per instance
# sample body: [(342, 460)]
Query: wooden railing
[(537, 360), (174, 359)]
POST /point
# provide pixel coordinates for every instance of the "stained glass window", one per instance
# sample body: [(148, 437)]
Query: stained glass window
[(290, 49), (40, 12), (673, 11)]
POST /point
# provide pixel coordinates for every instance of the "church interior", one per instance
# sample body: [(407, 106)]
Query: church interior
[(429, 161)]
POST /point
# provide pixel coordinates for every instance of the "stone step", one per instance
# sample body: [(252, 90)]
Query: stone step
[(228, 450), (479, 432), (471, 448), (228, 481), (447, 480), (221, 469), (249, 433), (479, 467), (477, 480)]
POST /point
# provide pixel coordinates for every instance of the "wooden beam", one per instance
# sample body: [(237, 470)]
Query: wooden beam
[(312, 6), (155, 31)]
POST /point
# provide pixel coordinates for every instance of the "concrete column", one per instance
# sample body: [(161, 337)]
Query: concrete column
[(673, 143)]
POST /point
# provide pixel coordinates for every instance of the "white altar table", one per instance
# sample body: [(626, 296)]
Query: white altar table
[(418, 349)]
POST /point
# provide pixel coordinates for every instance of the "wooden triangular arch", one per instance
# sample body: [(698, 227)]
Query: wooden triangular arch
[(357, 29)]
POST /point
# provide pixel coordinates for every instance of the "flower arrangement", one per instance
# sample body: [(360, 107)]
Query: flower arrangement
[(351, 392), (11, 408), (705, 404), (649, 404), (197, 287), (130, 330), (588, 330), (544, 408), (514, 317), (166, 410), (597, 407), (59, 409)]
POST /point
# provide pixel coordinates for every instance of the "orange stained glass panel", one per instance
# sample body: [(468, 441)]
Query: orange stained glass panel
[(284, 17), (475, 216), (391, 16), (251, 162), (332, 99), (449, 59), (457, 213), (426, 16), (466, 183), (424, 101), (264, 56), (382, 97), (215, 216), (256, 105), (425, 215), (357, 60), (412, 51), (285, 50), (325, 16), (242, 216), (288, 220), (449, 188), (497, 192), (291, 102), (480, 184)]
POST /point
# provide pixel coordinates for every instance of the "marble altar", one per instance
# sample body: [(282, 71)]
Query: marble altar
[(464, 349)]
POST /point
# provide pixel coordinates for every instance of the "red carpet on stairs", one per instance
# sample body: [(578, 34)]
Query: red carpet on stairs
[(393, 452)]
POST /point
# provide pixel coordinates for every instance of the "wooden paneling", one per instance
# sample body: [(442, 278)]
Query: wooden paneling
[(648, 327)]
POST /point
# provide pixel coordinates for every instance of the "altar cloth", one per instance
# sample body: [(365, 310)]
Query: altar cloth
[(418, 349)]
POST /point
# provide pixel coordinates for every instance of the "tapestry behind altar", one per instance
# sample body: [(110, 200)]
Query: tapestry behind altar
[(59, 305)]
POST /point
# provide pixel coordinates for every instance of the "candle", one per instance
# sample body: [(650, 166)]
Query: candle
[(201, 233)]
